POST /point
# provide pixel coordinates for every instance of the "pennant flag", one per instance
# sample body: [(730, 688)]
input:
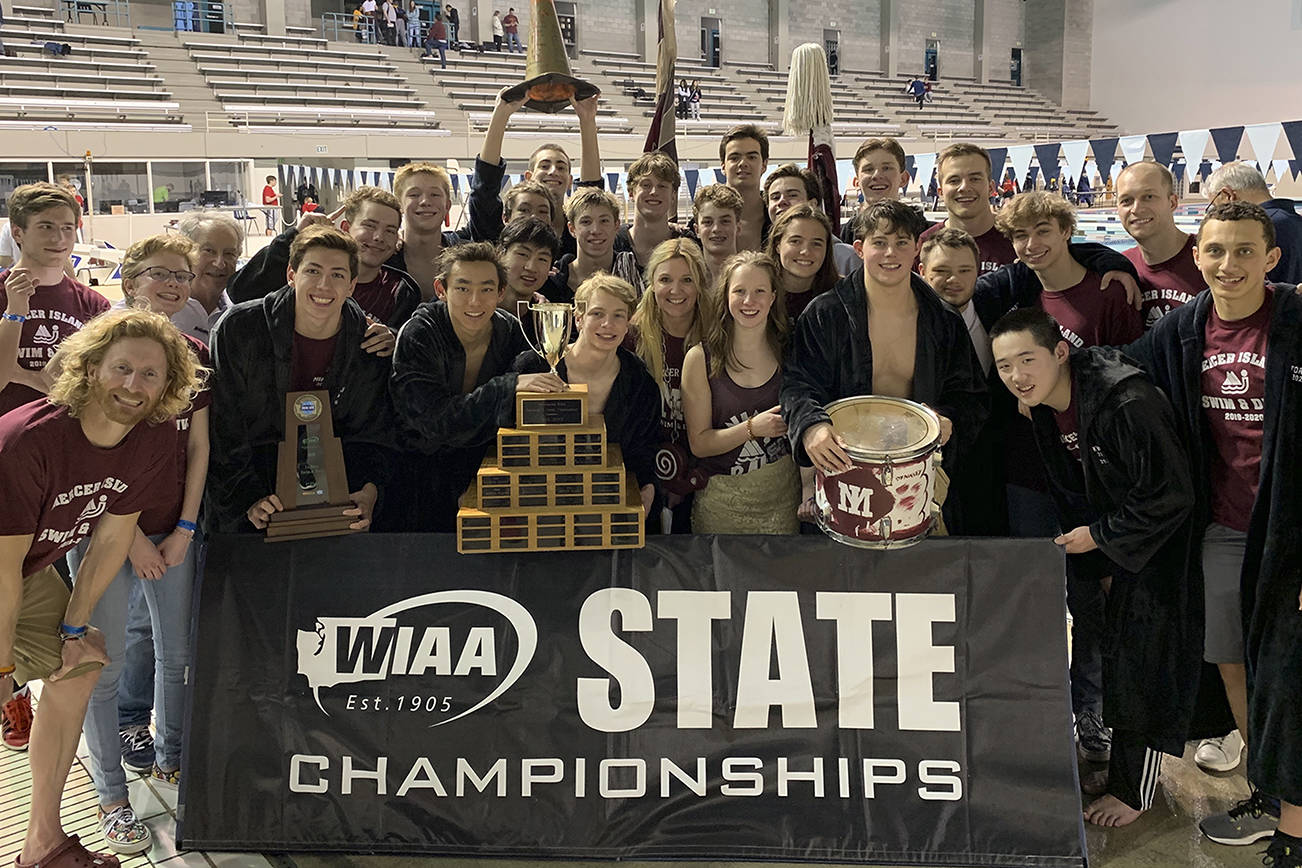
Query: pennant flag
[(1227, 140), (1104, 152), (925, 165), (1132, 148), (389, 184), (998, 157), (1194, 144), (1163, 145), (1263, 138), (693, 177), (809, 108), (1117, 166), (1295, 166), (1020, 157), (1281, 170), (661, 135), (1293, 132), (1178, 170), (1047, 157), (1035, 177), (1205, 169), (1091, 169), (1074, 152), (612, 181), (718, 176), (910, 164), (456, 183), (845, 168)]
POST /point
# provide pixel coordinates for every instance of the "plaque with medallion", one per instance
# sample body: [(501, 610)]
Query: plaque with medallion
[(310, 478)]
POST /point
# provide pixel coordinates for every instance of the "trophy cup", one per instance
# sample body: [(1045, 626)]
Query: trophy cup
[(310, 478), (551, 326)]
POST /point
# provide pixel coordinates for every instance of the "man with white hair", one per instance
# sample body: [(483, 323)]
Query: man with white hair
[(1240, 182), (218, 241)]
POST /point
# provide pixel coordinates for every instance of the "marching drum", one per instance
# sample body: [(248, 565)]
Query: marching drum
[(885, 500)]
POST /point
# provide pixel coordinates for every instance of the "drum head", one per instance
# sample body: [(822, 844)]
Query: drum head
[(874, 427)]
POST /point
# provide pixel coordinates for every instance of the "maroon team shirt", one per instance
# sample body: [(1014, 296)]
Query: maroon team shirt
[(796, 304), (1234, 391), (673, 427), (311, 362), (57, 484), (56, 312), (161, 515), (379, 297), (1167, 285), (1091, 317), (996, 250), (1069, 426)]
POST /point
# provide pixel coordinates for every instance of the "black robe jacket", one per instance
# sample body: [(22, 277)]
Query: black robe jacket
[(1172, 352), (252, 357), (1133, 488)]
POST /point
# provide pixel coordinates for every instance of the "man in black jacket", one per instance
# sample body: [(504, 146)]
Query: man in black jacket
[(880, 333), (1231, 362), (306, 335), (452, 381), (1121, 482)]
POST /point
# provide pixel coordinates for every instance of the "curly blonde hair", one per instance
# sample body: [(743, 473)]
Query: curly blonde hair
[(613, 286), (147, 248), (82, 353)]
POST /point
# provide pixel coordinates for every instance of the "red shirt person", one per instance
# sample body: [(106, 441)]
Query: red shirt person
[(81, 465), (38, 296)]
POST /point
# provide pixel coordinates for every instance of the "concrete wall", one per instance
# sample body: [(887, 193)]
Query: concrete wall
[(951, 22), (744, 30), (1058, 51), (1163, 65), (1004, 32), (859, 22)]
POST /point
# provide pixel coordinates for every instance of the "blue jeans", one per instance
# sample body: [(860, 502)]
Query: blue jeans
[(136, 685), (168, 603), (513, 42)]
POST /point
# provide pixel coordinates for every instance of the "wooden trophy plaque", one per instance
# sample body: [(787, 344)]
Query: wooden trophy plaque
[(310, 478), (539, 409)]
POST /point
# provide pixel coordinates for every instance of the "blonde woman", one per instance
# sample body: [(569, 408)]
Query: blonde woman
[(670, 319), (731, 384)]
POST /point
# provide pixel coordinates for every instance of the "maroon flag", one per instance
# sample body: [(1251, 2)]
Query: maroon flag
[(661, 136)]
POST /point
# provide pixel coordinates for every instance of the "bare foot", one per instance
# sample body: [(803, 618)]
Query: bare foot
[(1111, 811)]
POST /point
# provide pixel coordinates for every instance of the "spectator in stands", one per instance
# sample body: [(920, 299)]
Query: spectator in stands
[(452, 380), (220, 240), (498, 30), (271, 198), (593, 218), (527, 248), (359, 23), (684, 98), (744, 156), (413, 24), (694, 99), (293, 338), (1239, 182), (933, 193), (1164, 253), (833, 62), (123, 369), (653, 181), (371, 10), (918, 88), (879, 169), (619, 386), (148, 605), (671, 318), (1084, 192), (1009, 189), (438, 40), (549, 165), (44, 304), (454, 24), (717, 213), (790, 185), (732, 384), (400, 25), (390, 12), (511, 28)]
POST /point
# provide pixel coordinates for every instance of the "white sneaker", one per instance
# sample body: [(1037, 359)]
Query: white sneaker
[(1219, 754)]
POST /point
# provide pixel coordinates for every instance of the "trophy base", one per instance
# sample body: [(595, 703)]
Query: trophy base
[(550, 92), (309, 523)]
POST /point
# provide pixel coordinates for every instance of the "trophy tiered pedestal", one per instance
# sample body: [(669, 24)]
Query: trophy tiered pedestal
[(554, 484)]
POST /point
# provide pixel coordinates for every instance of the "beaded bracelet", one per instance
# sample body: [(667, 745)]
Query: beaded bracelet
[(750, 430)]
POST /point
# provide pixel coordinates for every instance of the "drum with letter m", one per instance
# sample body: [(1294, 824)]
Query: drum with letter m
[(885, 499)]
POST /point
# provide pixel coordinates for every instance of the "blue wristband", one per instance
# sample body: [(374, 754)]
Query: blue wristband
[(71, 632), (13, 317), (187, 525)]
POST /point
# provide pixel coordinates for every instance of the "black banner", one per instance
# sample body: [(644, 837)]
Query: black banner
[(709, 698)]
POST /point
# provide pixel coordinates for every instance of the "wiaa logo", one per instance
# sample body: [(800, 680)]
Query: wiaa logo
[(421, 648)]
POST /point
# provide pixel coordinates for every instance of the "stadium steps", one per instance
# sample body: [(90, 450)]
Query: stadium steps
[(178, 70), (427, 89)]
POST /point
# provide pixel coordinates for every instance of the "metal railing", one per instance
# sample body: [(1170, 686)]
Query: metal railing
[(202, 16), (342, 27), (116, 13)]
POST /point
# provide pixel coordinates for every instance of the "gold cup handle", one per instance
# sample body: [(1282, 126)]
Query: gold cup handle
[(551, 324)]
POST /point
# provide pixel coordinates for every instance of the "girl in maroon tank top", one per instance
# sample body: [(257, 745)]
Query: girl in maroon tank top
[(731, 384)]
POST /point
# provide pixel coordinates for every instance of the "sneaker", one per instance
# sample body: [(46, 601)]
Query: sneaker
[(123, 832), (16, 721), (1249, 821), (1219, 754), (171, 779), (1093, 739), (137, 748), (1282, 853)]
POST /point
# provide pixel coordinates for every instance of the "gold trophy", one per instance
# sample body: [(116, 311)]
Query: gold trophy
[(551, 327), (548, 83)]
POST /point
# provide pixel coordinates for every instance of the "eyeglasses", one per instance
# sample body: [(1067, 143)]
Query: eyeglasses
[(162, 275)]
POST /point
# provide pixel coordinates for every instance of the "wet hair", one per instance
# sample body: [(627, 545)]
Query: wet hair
[(1027, 209), (886, 215), (718, 194), (531, 231), (826, 276), (612, 286), (745, 131), (537, 188), (470, 251), (359, 197), (719, 332), (963, 149), (31, 199), (791, 170), (1232, 211), (888, 145), (85, 349), (955, 239), (1042, 327), (327, 237), (405, 173)]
